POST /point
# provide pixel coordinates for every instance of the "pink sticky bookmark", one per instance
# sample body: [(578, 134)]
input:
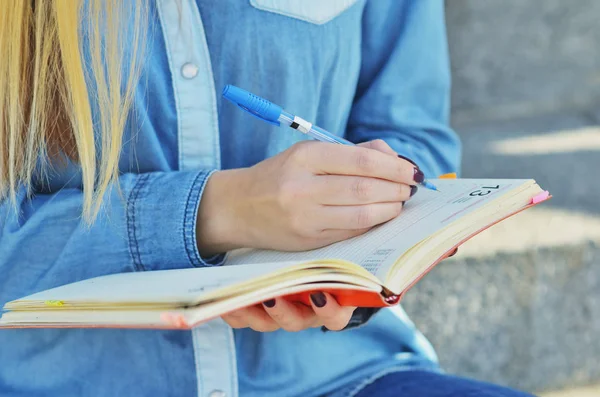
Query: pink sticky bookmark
[(543, 196), (176, 320)]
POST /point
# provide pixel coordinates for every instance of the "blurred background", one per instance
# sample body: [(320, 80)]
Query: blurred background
[(520, 304)]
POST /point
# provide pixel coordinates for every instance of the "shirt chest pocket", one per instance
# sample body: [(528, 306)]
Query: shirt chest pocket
[(313, 11)]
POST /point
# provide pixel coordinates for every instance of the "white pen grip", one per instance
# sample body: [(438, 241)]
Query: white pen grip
[(301, 125)]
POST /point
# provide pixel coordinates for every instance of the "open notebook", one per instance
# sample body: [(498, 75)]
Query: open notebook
[(372, 270)]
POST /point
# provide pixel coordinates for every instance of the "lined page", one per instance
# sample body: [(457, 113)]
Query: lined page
[(427, 212)]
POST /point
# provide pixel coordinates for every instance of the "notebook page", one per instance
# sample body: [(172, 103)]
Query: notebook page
[(170, 286), (427, 212)]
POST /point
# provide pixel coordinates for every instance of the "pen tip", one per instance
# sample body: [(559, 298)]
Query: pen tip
[(431, 186)]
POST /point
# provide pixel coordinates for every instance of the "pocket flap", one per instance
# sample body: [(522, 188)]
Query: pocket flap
[(313, 11)]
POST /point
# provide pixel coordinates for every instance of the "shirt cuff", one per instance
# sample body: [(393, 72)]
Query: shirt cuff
[(161, 221)]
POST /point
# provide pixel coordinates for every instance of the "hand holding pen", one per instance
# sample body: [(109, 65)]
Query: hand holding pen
[(308, 196), (274, 114)]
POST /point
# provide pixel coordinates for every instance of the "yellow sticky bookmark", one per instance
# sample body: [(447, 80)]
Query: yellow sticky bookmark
[(54, 303)]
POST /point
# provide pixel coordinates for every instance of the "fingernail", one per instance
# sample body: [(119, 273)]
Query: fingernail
[(413, 190), (318, 299), (403, 202), (418, 176), (270, 303), (407, 159)]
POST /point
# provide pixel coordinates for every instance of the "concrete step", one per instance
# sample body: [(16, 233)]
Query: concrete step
[(530, 320), (520, 304), (515, 57)]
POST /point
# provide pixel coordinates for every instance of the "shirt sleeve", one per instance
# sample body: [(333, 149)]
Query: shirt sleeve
[(147, 222), (404, 84)]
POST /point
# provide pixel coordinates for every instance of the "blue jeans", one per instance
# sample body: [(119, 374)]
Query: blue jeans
[(416, 383)]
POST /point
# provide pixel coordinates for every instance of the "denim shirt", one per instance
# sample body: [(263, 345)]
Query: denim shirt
[(361, 70)]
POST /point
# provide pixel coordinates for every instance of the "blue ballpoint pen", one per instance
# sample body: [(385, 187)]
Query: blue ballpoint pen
[(274, 114)]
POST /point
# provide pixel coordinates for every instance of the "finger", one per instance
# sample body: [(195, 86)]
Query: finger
[(358, 216), (353, 190), (236, 319), (380, 145), (360, 161), (253, 317), (332, 315), (409, 160), (259, 320), (290, 316)]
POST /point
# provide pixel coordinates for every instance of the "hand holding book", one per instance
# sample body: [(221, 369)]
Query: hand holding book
[(292, 316)]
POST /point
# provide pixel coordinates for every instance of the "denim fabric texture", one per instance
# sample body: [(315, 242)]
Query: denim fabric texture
[(420, 383), (362, 70)]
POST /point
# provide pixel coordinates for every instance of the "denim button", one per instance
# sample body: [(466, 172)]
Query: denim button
[(189, 70), (217, 393)]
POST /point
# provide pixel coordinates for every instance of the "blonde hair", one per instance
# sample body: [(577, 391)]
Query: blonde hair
[(67, 68)]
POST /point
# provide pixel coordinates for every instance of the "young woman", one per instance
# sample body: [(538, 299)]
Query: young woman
[(117, 154)]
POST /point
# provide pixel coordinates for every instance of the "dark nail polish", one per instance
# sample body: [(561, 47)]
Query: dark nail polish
[(270, 303), (419, 177), (413, 190), (318, 299), (407, 159)]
